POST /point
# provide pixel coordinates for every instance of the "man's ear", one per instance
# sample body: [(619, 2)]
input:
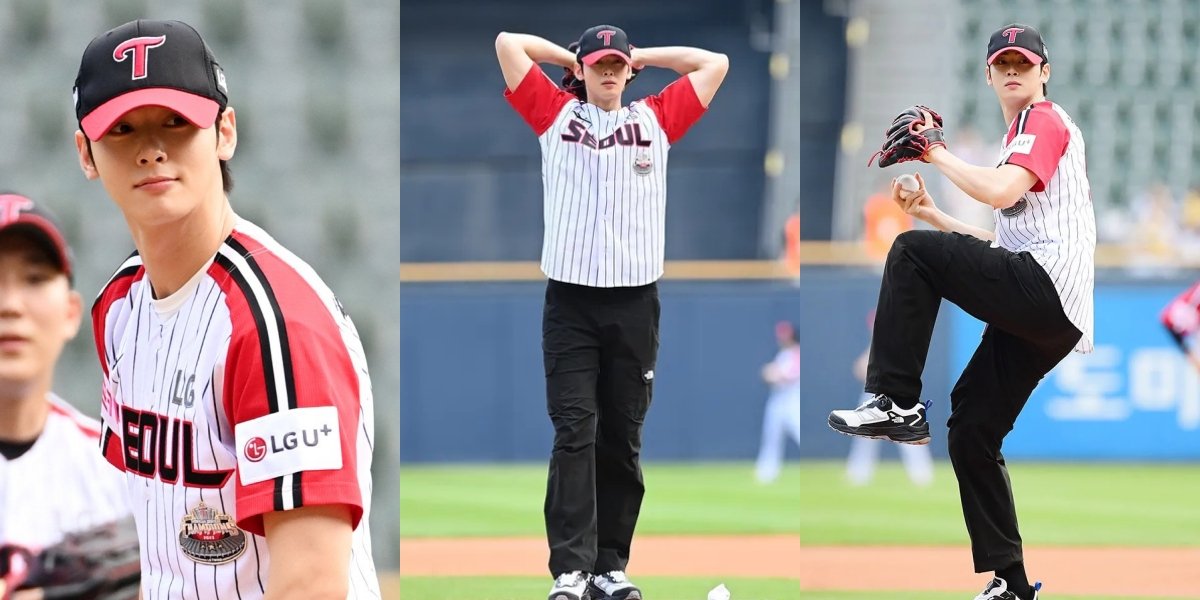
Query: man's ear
[(227, 134), (86, 164)]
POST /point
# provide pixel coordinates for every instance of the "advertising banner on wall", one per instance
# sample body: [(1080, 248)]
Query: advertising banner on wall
[(1135, 397)]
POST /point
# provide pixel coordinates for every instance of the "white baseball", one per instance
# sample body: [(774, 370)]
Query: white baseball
[(908, 182)]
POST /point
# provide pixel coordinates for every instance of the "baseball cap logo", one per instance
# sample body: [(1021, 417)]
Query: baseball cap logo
[(1011, 34), (139, 49), (11, 206), (606, 35)]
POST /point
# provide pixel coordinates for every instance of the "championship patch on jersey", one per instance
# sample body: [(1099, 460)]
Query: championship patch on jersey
[(301, 439), (642, 165), (1022, 144), (210, 537)]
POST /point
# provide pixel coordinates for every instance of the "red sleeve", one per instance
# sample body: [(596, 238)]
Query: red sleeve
[(1037, 140), (116, 289), (1182, 314), (537, 99), (287, 355), (677, 108)]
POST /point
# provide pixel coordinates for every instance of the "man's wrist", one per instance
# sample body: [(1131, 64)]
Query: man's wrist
[(935, 153)]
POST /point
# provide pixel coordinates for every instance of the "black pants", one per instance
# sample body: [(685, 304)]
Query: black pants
[(599, 346), (1027, 335)]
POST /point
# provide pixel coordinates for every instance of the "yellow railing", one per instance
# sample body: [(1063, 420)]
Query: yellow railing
[(811, 253)]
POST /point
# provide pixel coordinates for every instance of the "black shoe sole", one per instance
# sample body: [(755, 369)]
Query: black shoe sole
[(900, 435), (598, 594)]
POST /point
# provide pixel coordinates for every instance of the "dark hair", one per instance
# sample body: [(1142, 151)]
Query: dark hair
[(226, 172), (569, 83)]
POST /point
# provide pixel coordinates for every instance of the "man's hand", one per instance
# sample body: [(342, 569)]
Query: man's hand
[(918, 202), (912, 134)]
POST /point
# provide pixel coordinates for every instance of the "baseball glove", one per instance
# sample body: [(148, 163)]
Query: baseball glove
[(101, 563), (904, 142)]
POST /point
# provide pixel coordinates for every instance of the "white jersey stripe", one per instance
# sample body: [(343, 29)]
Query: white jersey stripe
[(604, 179), (1056, 225), (147, 344)]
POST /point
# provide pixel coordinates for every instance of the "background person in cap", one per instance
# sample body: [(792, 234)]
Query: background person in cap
[(864, 452), (1030, 279), (223, 353), (54, 483), (604, 167), (781, 418)]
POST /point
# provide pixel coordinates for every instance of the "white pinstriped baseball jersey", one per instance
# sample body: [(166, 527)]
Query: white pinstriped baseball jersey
[(59, 485), (1054, 221), (604, 179), (244, 392)]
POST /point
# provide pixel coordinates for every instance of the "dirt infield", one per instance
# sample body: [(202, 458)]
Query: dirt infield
[(1145, 572)]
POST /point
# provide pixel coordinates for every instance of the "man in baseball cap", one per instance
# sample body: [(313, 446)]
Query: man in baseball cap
[(20, 214), (148, 63), (601, 41), (1022, 38), (156, 131)]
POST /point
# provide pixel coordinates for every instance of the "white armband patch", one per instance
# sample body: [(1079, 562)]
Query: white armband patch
[(300, 439), (1022, 144)]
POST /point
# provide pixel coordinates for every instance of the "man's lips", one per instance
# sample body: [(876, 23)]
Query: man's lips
[(12, 343), (152, 180)]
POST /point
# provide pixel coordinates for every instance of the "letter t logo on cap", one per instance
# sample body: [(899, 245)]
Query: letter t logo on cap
[(11, 206), (1011, 33), (606, 35), (139, 49)]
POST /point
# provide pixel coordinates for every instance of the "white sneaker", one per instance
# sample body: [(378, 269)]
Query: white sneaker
[(613, 585), (997, 589), (880, 418), (570, 586)]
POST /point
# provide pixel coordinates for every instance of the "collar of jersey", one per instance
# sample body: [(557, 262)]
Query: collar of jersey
[(167, 307)]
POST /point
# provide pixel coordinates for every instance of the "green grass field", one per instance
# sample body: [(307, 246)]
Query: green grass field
[(507, 500), (659, 588), (1059, 504)]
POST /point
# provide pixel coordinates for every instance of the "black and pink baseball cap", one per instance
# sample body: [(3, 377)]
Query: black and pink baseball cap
[(148, 63), (1022, 38), (600, 41), (19, 212)]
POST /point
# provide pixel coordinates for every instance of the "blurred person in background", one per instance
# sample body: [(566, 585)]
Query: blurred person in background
[(969, 147), (1181, 318), (1155, 232), (1031, 280), (883, 220), (604, 167), (1189, 226), (781, 419), (53, 483), (864, 452)]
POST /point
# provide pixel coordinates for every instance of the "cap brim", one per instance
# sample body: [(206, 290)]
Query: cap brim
[(48, 234), (592, 58), (199, 111), (1033, 58)]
